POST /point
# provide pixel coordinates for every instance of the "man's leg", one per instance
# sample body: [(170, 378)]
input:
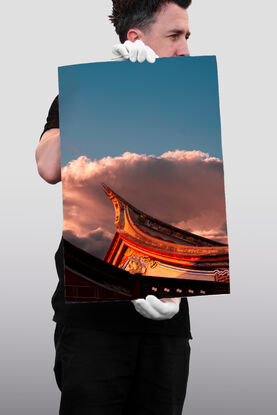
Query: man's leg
[(94, 370), (160, 384)]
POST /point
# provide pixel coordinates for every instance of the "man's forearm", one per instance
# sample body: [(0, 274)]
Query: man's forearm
[(48, 156)]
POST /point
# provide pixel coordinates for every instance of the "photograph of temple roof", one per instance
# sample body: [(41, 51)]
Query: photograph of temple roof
[(143, 244), (142, 180)]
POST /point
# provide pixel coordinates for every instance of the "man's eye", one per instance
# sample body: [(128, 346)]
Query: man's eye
[(174, 37)]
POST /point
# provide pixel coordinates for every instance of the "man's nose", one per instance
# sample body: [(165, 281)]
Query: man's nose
[(183, 49)]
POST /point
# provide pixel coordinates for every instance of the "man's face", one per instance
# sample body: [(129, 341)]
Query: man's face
[(168, 35)]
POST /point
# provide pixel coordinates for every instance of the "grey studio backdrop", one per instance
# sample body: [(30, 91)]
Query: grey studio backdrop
[(233, 358)]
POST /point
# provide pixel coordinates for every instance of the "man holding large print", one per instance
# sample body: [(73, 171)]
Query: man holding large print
[(122, 357)]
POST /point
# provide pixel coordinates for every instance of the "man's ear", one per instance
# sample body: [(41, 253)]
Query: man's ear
[(134, 34)]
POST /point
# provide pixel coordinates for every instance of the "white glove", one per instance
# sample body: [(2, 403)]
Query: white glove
[(155, 309), (135, 51)]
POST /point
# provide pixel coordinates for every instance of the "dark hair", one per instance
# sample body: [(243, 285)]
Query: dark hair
[(138, 13)]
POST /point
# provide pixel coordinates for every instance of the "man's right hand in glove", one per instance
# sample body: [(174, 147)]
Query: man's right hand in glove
[(135, 51)]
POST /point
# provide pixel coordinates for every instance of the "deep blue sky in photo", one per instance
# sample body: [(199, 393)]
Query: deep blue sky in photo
[(108, 108)]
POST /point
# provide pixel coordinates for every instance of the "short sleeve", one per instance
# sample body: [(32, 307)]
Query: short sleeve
[(52, 120)]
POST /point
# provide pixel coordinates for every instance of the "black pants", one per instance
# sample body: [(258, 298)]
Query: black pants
[(112, 373)]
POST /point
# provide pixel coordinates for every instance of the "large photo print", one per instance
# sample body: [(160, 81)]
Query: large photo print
[(142, 180)]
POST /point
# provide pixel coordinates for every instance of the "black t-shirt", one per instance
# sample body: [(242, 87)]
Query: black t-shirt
[(114, 315)]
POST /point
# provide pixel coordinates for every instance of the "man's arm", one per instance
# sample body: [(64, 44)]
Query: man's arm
[(48, 156)]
